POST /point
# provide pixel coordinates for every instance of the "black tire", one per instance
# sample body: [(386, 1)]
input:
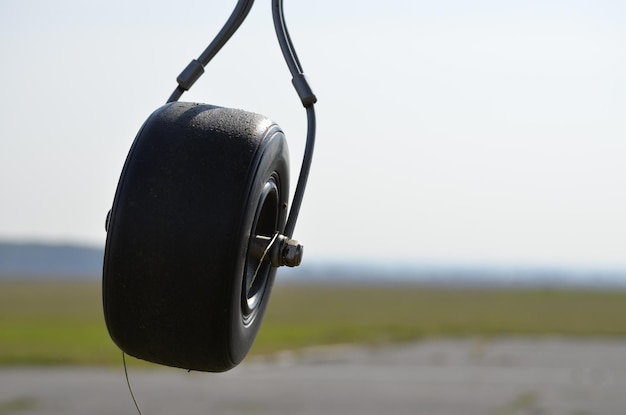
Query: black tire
[(198, 184)]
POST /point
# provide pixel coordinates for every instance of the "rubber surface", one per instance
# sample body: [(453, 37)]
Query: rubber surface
[(176, 253)]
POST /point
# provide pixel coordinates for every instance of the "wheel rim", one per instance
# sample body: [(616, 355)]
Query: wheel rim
[(258, 264)]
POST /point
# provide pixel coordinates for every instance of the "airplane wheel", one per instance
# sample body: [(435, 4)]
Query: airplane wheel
[(184, 283)]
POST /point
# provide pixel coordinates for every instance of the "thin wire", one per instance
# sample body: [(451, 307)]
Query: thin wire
[(132, 395), (265, 252)]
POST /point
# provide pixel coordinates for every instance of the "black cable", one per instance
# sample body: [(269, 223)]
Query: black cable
[(288, 36), (178, 92), (234, 21), (308, 99), (284, 40), (304, 173), (195, 69)]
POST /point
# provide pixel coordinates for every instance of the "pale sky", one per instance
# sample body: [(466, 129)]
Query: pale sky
[(449, 131)]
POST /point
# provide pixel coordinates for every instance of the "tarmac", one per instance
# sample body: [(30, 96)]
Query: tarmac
[(507, 376)]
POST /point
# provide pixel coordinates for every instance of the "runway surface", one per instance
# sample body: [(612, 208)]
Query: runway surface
[(433, 377)]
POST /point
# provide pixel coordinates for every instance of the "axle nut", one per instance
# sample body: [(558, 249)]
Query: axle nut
[(291, 253)]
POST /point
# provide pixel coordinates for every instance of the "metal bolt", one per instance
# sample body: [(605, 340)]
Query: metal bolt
[(281, 250), (291, 252)]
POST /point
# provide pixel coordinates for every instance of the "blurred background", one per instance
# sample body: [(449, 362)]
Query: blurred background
[(480, 132), (461, 146)]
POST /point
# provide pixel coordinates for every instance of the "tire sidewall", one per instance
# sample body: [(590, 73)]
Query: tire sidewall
[(271, 160)]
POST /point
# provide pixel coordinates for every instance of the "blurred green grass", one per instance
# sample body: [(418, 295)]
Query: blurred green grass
[(62, 322)]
